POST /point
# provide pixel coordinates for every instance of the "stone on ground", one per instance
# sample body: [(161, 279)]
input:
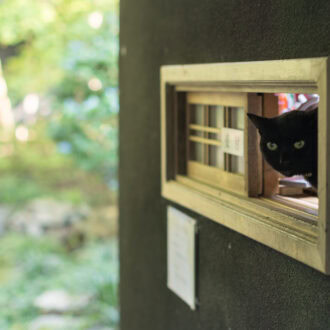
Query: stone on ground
[(55, 322), (60, 301)]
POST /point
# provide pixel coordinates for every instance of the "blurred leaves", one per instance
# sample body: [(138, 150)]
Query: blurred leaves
[(9, 194), (47, 32), (59, 54), (35, 169), (40, 264), (52, 49)]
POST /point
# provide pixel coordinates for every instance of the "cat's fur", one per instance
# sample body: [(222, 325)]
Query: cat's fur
[(287, 131)]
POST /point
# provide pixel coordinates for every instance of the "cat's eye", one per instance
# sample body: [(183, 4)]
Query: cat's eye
[(299, 144), (271, 146)]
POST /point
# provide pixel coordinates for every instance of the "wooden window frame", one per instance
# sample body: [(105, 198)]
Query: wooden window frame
[(280, 227)]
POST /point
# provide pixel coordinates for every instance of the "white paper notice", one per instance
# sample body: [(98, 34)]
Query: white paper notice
[(181, 255), (232, 141)]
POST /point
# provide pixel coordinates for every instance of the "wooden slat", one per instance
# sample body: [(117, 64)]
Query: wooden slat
[(290, 76), (226, 121), (324, 165), (248, 87), (284, 190), (252, 154), (181, 134), (309, 202), (204, 128), (203, 140), (225, 99), (297, 204), (188, 151), (216, 177), (205, 135), (170, 132), (270, 176)]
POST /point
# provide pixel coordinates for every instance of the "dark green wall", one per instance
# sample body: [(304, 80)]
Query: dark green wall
[(247, 286)]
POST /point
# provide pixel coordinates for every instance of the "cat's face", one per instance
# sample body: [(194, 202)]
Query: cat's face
[(289, 141)]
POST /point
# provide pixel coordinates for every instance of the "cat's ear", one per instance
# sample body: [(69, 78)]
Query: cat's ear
[(260, 123), (311, 118)]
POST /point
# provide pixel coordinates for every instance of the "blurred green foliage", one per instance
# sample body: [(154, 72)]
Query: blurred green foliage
[(50, 36), (29, 266), (58, 53), (9, 194), (66, 52), (35, 169)]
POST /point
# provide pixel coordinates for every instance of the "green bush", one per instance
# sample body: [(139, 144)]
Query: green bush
[(57, 55), (16, 190), (29, 266)]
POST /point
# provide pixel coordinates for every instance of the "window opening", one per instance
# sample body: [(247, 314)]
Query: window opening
[(211, 125), (295, 191)]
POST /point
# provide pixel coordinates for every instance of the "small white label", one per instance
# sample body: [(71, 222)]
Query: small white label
[(181, 255), (232, 141)]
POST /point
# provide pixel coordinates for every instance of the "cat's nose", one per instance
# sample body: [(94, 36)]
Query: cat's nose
[(285, 163), (284, 159)]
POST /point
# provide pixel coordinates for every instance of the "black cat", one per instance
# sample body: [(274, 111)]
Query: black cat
[(289, 142)]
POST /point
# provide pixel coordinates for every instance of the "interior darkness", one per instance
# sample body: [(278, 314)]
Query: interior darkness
[(241, 284)]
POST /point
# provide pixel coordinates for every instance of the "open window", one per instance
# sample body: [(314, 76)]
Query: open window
[(211, 162), (295, 191)]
